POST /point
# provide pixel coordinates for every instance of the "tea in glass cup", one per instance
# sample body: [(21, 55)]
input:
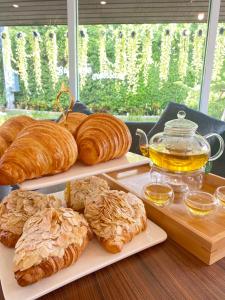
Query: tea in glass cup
[(220, 195), (160, 194), (200, 204)]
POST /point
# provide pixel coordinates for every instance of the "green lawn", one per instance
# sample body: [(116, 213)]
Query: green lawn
[(54, 115), (34, 114), (139, 118)]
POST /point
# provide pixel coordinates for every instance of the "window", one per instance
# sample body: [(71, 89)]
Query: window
[(217, 88), (34, 63), (131, 70), (134, 70)]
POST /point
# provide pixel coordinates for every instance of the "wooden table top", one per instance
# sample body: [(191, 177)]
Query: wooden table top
[(165, 271)]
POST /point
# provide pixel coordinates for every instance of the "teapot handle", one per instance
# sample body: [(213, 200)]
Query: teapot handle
[(221, 148)]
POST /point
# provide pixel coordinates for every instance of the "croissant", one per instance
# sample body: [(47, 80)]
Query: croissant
[(9, 130), (51, 240), (15, 210), (79, 190), (3, 146), (72, 121), (102, 137), (40, 149), (115, 217)]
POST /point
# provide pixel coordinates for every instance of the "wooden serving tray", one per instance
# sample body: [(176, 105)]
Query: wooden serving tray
[(203, 237)]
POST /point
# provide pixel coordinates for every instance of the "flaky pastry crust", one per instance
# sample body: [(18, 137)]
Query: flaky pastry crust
[(9, 239), (102, 137), (115, 217), (52, 240), (51, 265), (16, 208), (43, 148), (73, 120), (10, 129), (79, 190)]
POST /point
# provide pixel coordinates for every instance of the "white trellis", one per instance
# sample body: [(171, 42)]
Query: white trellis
[(7, 67)]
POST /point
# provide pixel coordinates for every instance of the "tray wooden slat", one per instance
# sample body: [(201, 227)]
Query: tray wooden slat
[(203, 237)]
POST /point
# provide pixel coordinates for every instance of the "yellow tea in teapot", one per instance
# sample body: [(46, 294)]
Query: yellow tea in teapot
[(144, 150), (177, 161)]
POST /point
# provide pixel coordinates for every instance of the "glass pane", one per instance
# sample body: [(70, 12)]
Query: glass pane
[(217, 91), (35, 65), (134, 70)]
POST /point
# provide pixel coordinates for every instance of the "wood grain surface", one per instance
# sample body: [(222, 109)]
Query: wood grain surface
[(165, 271), (203, 237)]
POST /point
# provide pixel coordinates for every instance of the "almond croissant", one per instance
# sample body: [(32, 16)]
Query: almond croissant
[(79, 190), (42, 148), (17, 208), (9, 130), (115, 217), (52, 240)]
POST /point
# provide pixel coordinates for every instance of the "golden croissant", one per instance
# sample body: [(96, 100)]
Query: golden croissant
[(102, 137), (43, 148), (52, 240), (72, 121), (10, 129)]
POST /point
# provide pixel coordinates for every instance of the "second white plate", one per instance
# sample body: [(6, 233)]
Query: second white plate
[(80, 170)]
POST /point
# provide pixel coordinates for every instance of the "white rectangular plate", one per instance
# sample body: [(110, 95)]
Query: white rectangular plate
[(93, 259), (80, 170)]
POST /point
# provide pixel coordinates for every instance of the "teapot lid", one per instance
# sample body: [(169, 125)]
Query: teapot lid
[(181, 124)]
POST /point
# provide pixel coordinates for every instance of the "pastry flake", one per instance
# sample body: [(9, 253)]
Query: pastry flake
[(115, 217)]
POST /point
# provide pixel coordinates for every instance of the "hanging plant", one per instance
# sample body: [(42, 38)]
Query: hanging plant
[(22, 59), (183, 53), (147, 53), (83, 58), (37, 60), (52, 54), (103, 60), (198, 51), (132, 70), (120, 58), (219, 54), (166, 47), (66, 51), (120, 53)]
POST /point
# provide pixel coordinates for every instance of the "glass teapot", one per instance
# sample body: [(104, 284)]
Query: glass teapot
[(179, 148)]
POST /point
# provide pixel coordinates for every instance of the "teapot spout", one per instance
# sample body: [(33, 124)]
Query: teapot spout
[(143, 142)]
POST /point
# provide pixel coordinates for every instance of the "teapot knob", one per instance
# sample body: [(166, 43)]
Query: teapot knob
[(181, 114)]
